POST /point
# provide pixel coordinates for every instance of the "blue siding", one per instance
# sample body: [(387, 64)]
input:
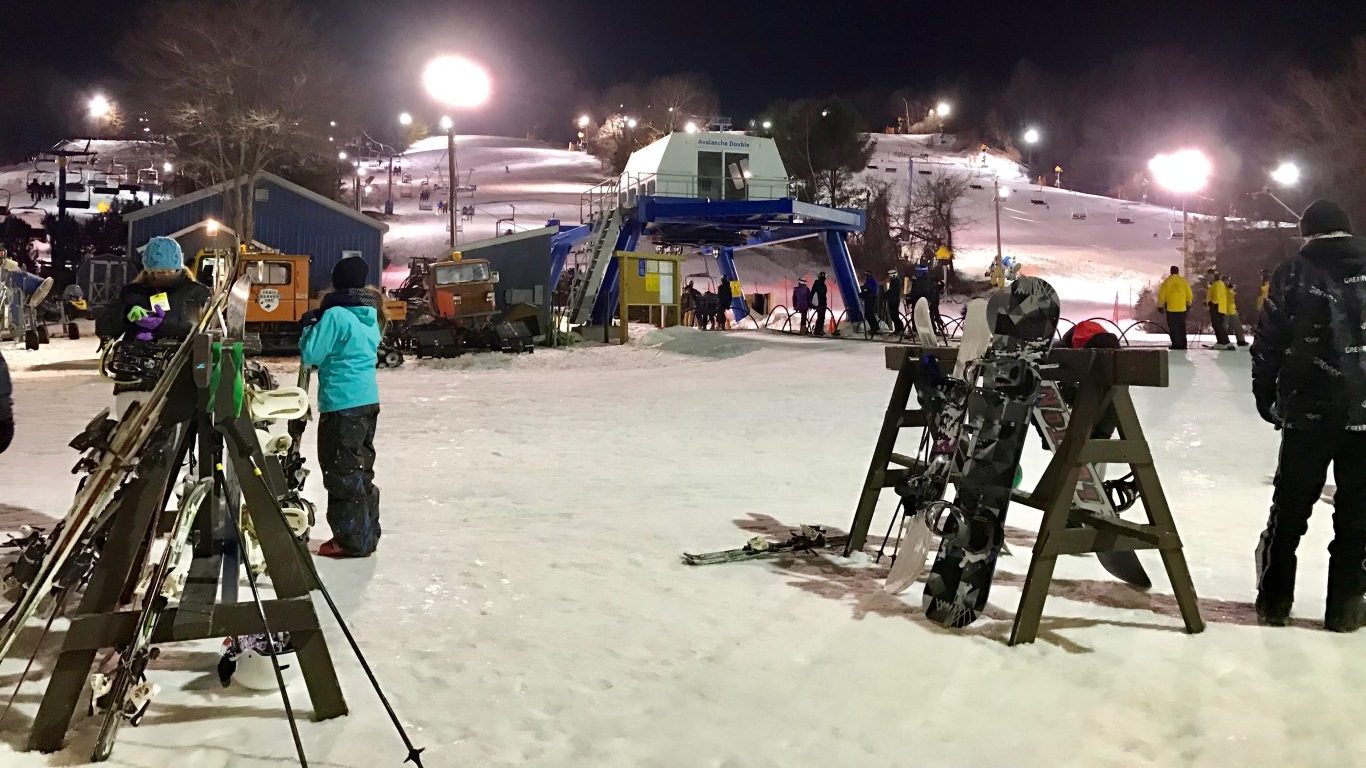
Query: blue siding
[(287, 222)]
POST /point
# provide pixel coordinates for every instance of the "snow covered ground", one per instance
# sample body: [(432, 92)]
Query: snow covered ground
[(527, 605)]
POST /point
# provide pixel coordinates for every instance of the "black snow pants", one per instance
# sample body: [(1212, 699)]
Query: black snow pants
[(1300, 474), (346, 453), (1216, 320), (1176, 329)]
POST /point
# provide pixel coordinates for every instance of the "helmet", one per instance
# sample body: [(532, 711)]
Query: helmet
[(246, 661)]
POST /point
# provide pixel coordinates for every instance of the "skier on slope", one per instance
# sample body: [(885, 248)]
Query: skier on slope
[(161, 306), (341, 339), (801, 301), (1309, 380), (820, 302), (6, 406)]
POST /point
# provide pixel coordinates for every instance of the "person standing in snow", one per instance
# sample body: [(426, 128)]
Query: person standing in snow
[(723, 301), (868, 295), (801, 301), (690, 301), (1174, 298), (6, 406), (1232, 322), (1216, 300), (161, 307), (1309, 380), (1262, 292), (341, 340), (820, 302), (891, 301)]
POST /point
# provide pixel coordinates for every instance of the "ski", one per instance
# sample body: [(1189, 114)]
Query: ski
[(127, 694), (807, 539), (1052, 416)]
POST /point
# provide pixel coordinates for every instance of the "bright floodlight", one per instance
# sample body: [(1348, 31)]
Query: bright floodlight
[(167, 167), (584, 120), (1287, 174), (943, 109), (405, 119), (1031, 136), (631, 122), (1003, 192), (456, 82), (446, 122), (768, 124), (341, 155), (332, 123), (212, 226), (691, 127), (1182, 172), (99, 106)]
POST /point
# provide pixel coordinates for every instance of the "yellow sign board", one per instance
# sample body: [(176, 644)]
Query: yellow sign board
[(943, 254)]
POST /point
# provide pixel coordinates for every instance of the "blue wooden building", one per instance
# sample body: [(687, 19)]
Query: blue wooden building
[(288, 218)]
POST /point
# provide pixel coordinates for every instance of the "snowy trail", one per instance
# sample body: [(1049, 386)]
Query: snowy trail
[(527, 606)]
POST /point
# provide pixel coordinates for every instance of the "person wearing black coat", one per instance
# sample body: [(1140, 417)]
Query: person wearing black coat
[(723, 300), (891, 302), (1309, 380), (6, 406), (820, 301)]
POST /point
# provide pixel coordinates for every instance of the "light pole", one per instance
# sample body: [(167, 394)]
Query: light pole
[(1184, 172), (942, 110), (1287, 174), (1001, 194), (456, 82), (1031, 137)]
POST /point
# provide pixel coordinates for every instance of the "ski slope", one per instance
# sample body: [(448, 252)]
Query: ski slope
[(527, 607)]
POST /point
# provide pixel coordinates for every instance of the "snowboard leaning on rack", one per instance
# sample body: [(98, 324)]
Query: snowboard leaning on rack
[(1000, 402)]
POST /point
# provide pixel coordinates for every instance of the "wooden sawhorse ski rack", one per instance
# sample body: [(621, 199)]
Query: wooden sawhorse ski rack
[(1103, 378), (219, 430)]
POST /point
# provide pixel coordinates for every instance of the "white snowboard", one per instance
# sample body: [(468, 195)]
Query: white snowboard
[(976, 336), (911, 557), (924, 328)]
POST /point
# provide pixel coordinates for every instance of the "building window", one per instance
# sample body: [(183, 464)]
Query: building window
[(262, 194), (274, 273)]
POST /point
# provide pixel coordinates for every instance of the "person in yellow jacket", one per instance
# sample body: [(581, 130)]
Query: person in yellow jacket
[(1174, 298), (1216, 300), (1232, 322)]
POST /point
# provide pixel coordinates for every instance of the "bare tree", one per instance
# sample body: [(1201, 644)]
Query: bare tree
[(1327, 116), (673, 100), (240, 85), (933, 214)]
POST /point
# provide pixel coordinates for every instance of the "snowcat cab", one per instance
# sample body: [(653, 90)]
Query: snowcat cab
[(461, 290), (451, 304)]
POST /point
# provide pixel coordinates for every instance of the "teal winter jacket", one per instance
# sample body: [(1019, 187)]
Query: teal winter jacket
[(342, 346)]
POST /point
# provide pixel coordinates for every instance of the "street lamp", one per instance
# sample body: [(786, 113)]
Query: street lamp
[(1001, 194), (341, 155), (167, 167), (1287, 174), (1031, 137), (405, 119), (584, 120), (768, 124), (99, 106), (1183, 172), (691, 127), (456, 82), (631, 123), (942, 110)]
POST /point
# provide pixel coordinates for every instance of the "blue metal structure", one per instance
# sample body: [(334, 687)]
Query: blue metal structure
[(287, 218), (732, 225)]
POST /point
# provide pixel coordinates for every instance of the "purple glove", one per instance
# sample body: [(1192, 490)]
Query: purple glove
[(149, 323)]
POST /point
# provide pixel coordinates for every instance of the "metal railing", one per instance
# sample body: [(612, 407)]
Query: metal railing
[(626, 190)]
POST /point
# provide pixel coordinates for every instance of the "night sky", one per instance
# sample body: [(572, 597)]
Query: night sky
[(545, 56)]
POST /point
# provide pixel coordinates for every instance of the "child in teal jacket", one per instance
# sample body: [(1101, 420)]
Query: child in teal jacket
[(341, 339)]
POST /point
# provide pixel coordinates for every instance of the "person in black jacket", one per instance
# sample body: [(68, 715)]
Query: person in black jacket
[(1309, 380), (820, 301), (161, 306), (723, 301), (891, 302), (6, 406)]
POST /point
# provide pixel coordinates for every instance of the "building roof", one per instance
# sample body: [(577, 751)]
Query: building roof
[(219, 188)]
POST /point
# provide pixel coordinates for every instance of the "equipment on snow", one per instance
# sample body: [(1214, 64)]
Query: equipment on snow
[(807, 538)]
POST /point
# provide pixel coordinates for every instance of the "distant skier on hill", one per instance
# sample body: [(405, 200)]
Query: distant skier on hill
[(1309, 380)]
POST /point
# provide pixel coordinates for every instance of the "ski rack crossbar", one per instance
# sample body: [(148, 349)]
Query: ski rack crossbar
[(1103, 378)]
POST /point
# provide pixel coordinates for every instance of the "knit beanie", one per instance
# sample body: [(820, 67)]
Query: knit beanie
[(1322, 217), (351, 272)]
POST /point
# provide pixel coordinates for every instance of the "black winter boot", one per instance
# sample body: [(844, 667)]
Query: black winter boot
[(1349, 616)]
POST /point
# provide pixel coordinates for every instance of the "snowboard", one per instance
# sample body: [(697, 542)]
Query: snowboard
[(976, 336), (1052, 415), (1000, 404), (924, 324)]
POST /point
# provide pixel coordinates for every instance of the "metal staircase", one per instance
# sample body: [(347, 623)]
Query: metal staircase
[(607, 217)]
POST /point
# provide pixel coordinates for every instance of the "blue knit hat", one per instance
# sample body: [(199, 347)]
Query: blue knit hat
[(163, 253)]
